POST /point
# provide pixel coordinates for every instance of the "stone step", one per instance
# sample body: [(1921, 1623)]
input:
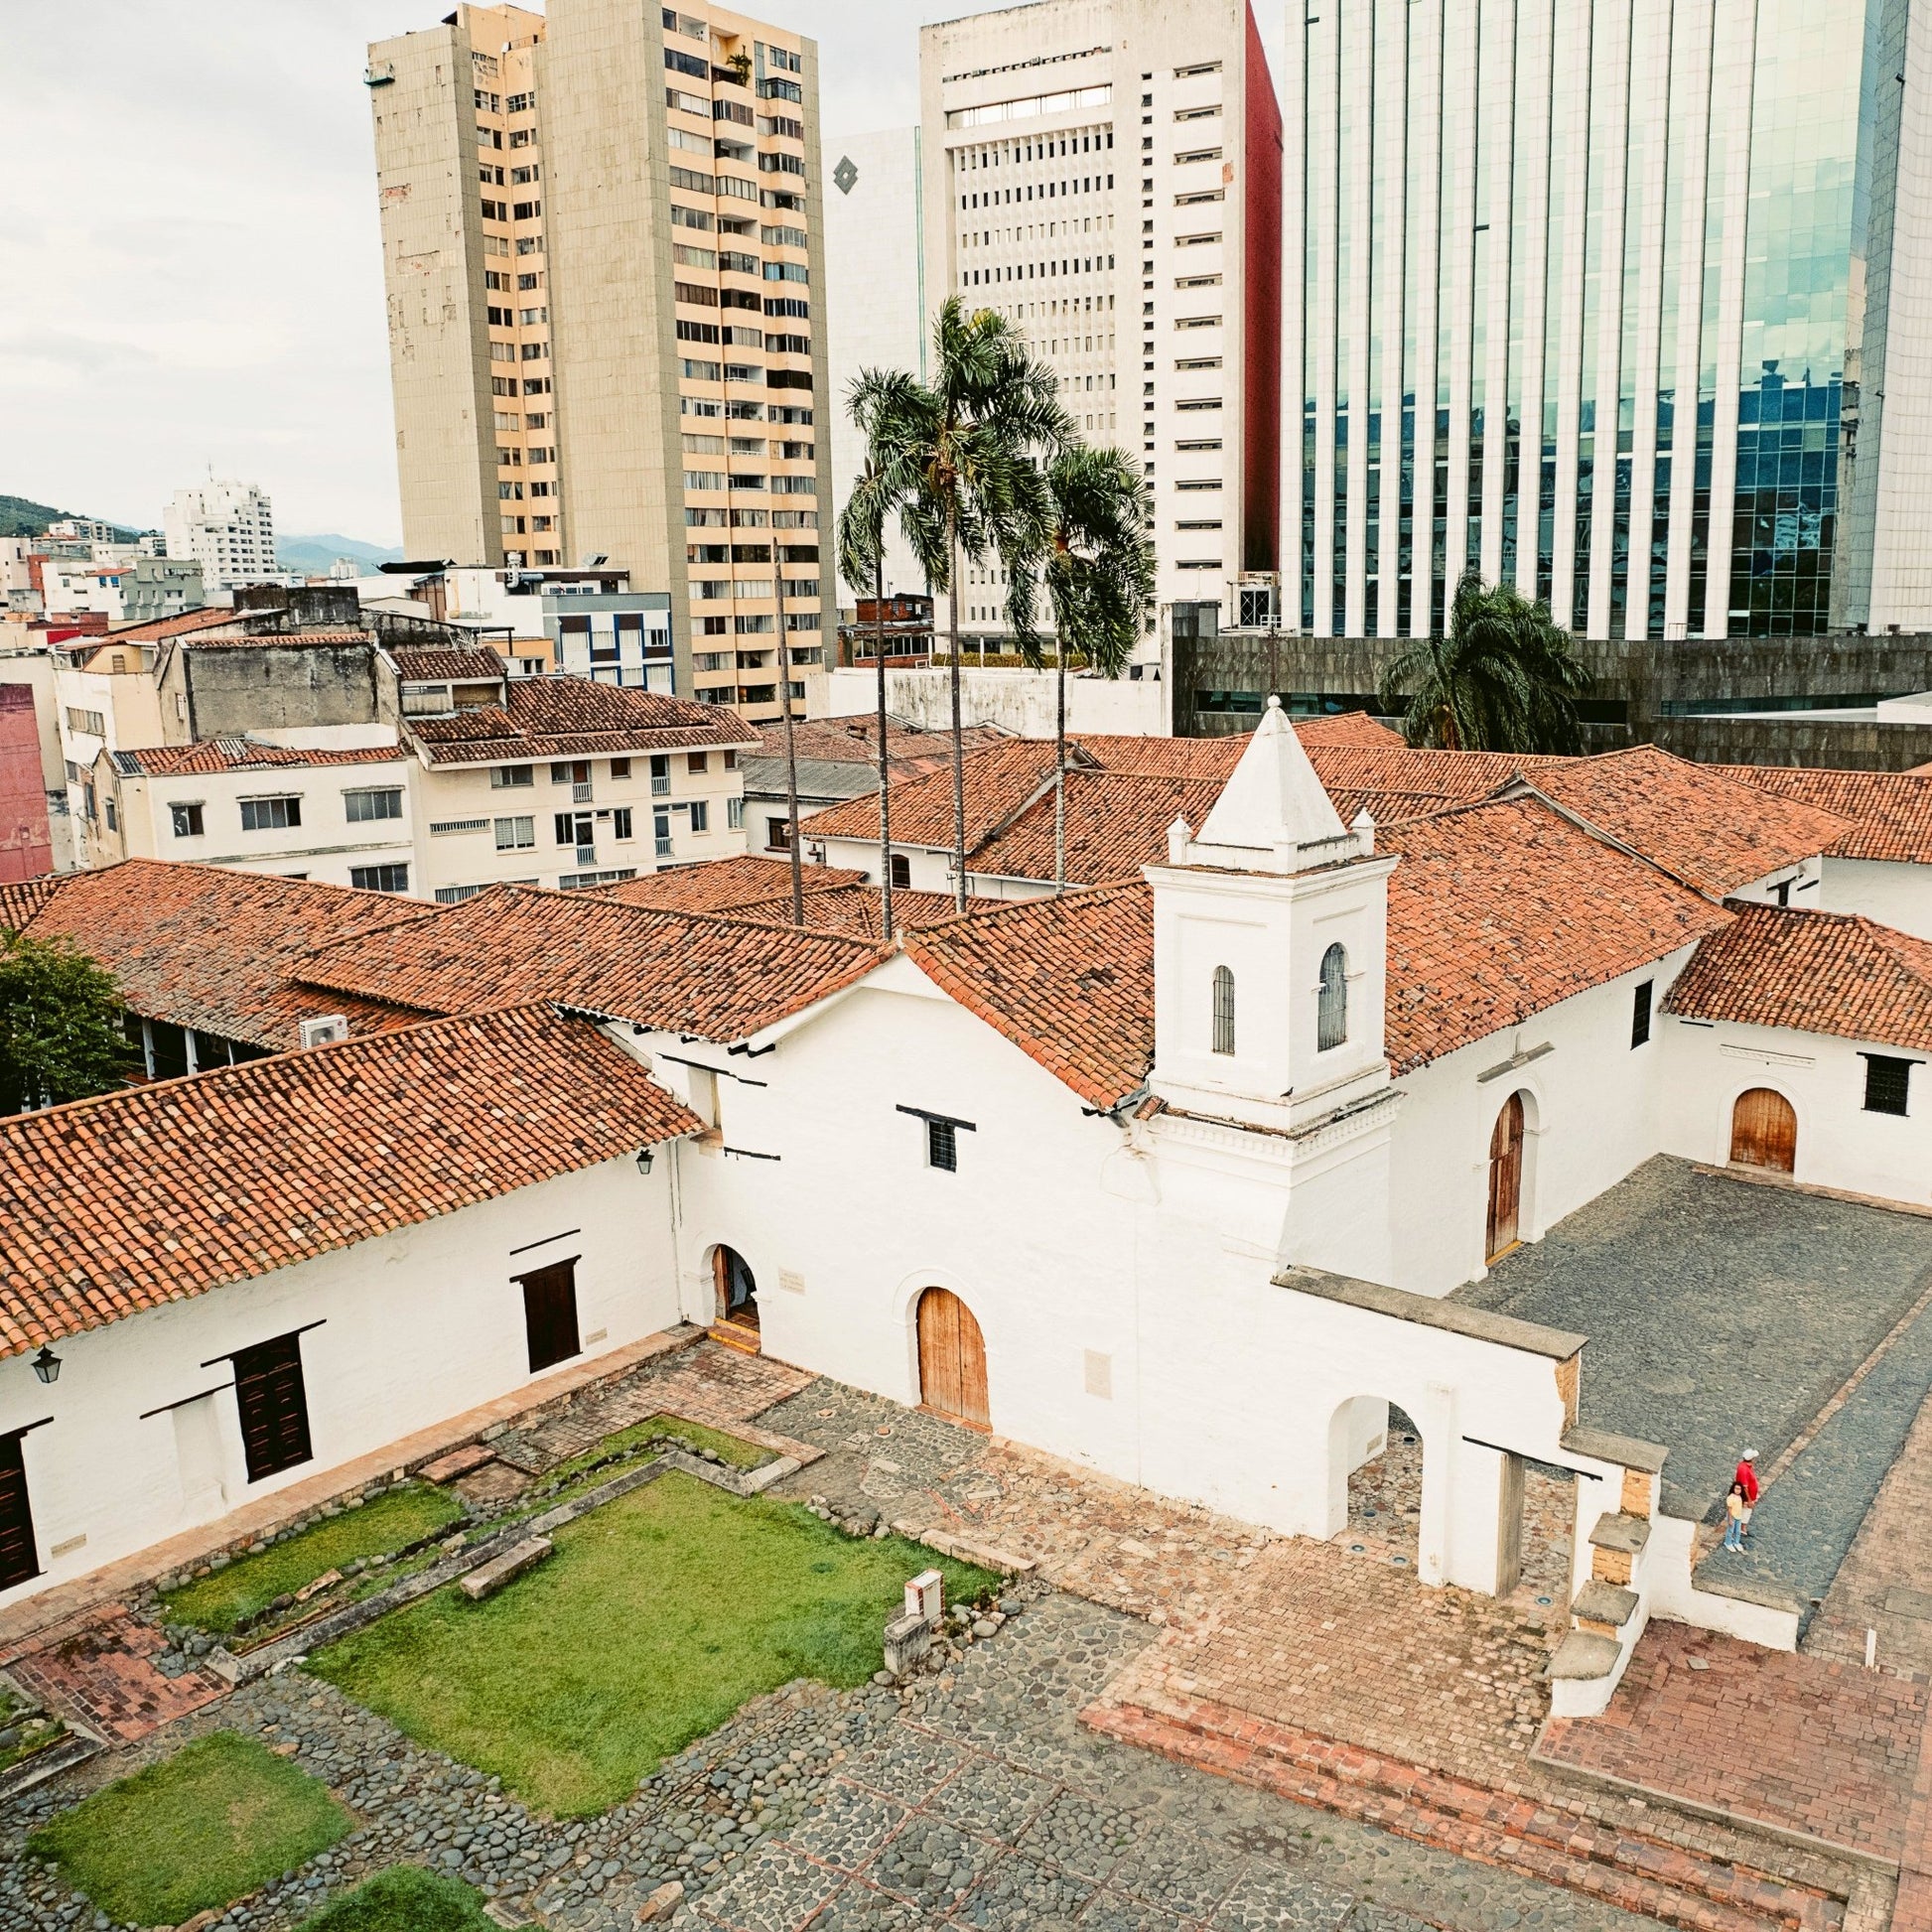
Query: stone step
[(1616, 1543), (1628, 1870), (1603, 1607), (730, 1336), (1583, 1656), (488, 1577)]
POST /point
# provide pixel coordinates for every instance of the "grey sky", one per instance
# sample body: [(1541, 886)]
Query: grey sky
[(191, 273)]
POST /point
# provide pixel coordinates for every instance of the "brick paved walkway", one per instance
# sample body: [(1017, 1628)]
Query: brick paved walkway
[(1825, 1751), (96, 1668)]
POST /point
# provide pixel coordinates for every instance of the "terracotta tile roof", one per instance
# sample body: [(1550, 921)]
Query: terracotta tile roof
[(725, 884), (574, 718), (718, 978), (162, 1192), (206, 947), (218, 754), (854, 741), (1164, 758), (279, 639), (1702, 826), (1890, 812), (1068, 980), (1347, 727), (182, 622), (1499, 911), (1395, 767), (837, 899), (418, 664), (20, 901), (1831, 973), (999, 779), (1386, 807), (1116, 823)]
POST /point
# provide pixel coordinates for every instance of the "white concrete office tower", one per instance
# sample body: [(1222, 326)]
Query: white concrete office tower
[(876, 295), (1108, 173), (1623, 301), (227, 527)]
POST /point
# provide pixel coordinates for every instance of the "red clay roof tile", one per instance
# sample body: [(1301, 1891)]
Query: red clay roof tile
[(159, 1193), (1833, 973), (1890, 814), (573, 717)]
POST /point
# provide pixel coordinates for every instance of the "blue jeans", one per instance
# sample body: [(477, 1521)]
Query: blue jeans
[(1734, 1534)]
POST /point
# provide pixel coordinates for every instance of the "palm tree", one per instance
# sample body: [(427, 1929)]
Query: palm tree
[(1098, 571), (862, 562), (960, 459), (1502, 680)]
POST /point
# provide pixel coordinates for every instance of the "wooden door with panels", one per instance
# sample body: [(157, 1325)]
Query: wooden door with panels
[(1764, 1131), (1505, 1180), (952, 1360), (273, 1404), (550, 1313), (19, 1555)]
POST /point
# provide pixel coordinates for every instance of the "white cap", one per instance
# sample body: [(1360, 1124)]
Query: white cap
[(1750, 1455)]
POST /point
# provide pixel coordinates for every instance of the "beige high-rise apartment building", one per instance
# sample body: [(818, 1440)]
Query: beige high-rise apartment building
[(601, 240)]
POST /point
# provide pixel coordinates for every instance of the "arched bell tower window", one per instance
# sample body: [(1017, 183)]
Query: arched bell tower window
[(1223, 1010), (1331, 1007)]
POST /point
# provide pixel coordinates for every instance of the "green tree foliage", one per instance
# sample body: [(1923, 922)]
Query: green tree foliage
[(1502, 680), (61, 1024)]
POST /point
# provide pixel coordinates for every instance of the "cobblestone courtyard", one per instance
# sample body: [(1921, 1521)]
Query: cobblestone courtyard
[(987, 1797)]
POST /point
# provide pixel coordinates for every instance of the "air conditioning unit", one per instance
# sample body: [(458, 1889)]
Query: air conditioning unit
[(325, 1030)]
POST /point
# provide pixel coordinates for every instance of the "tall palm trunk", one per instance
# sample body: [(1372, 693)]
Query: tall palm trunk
[(792, 739), (885, 764), (958, 724), (1059, 769)]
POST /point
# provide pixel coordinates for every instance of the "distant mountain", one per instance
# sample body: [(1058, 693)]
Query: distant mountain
[(315, 553), (21, 516)]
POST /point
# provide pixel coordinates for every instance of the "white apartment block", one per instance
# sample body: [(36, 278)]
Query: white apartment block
[(130, 590), (1107, 172), (227, 527)]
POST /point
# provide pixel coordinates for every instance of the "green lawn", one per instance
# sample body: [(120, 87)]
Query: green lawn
[(200, 1829), (733, 1449), (404, 1899), (220, 1602), (659, 1615)]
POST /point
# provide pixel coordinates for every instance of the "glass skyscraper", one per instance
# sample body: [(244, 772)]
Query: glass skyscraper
[(1625, 302)]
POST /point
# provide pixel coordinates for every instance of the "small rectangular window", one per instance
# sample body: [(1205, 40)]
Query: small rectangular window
[(1640, 1015), (380, 879), (777, 834), (620, 768), (943, 1145), (902, 872), (516, 834), (509, 777), (187, 820), (735, 814), (364, 807), (697, 760), (270, 814), (1887, 1084), (620, 822), (700, 815)]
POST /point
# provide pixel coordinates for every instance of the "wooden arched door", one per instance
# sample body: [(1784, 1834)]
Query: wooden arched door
[(952, 1360), (1505, 1180), (1764, 1131)]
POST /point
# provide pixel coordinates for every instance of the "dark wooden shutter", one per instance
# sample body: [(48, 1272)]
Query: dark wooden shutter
[(550, 1315), (273, 1405), (19, 1560)]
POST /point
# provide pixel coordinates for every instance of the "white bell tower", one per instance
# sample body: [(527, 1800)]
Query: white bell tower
[(1270, 949)]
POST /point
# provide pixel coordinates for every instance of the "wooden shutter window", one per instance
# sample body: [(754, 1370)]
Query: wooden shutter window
[(273, 1404), (550, 1313), (19, 1557)]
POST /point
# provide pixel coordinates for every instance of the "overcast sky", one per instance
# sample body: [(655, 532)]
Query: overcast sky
[(190, 275)]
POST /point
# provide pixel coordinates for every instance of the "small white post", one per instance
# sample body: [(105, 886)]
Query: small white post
[(1871, 1649), (925, 1596)]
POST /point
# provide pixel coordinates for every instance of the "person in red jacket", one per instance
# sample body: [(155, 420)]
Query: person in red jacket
[(1746, 1480)]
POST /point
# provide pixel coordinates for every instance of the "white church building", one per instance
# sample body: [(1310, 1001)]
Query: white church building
[(1174, 1176)]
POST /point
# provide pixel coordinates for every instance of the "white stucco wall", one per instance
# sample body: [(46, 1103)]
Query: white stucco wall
[(1839, 1145), (1893, 894), (1591, 1115), (1020, 702), (414, 1330)]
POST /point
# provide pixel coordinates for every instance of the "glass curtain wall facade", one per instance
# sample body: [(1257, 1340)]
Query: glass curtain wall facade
[(1575, 297)]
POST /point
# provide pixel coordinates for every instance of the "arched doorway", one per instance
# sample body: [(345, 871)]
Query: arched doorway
[(737, 1296), (1764, 1131), (952, 1360), (1505, 1180)]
